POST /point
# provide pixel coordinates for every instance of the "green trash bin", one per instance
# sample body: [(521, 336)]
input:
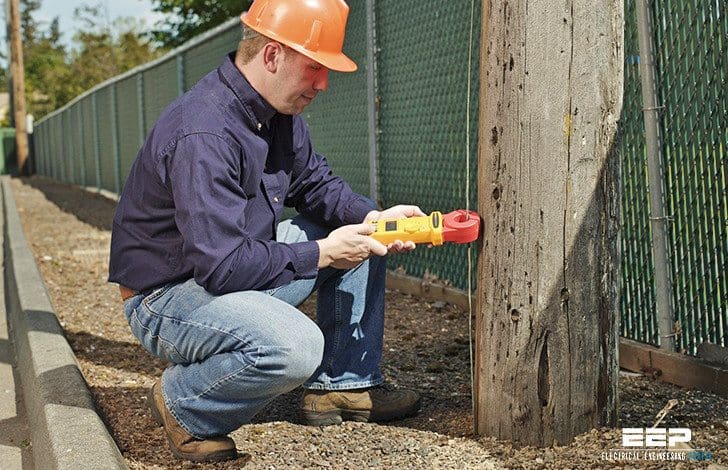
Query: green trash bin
[(8, 159)]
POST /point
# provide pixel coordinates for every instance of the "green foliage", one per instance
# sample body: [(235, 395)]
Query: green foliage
[(3, 79), (47, 74), (29, 25), (186, 19), (104, 49), (100, 50)]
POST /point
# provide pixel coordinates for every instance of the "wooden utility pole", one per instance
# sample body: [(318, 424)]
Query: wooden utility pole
[(17, 72), (548, 273)]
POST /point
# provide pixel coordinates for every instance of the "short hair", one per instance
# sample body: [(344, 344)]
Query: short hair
[(250, 45)]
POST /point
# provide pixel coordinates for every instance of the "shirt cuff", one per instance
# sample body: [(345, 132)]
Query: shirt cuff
[(305, 263), (358, 208)]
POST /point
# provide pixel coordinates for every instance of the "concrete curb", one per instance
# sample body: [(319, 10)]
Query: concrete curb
[(66, 430)]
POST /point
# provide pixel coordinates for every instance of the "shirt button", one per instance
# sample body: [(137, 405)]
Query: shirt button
[(260, 125), (275, 199)]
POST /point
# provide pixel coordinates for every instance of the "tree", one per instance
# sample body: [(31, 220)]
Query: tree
[(48, 76), (28, 23), (548, 273), (3, 79), (186, 19), (105, 49), (100, 50)]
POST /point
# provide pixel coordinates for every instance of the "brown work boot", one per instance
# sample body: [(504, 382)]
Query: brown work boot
[(376, 404), (181, 443)]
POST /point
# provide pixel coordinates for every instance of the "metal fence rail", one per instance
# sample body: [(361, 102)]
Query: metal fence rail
[(691, 50), (639, 321), (396, 130)]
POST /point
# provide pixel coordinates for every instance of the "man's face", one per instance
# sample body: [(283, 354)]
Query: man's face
[(298, 81)]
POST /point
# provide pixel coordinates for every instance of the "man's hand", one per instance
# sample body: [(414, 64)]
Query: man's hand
[(348, 246), (396, 212)]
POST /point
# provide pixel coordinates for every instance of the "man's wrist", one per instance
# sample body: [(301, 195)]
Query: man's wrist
[(324, 257)]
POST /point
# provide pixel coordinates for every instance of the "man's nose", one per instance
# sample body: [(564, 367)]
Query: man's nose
[(322, 80)]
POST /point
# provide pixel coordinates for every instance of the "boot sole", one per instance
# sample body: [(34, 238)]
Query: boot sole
[(214, 457), (338, 416), (333, 417)]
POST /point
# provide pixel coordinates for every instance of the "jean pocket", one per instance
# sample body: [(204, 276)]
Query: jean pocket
[(149, 328)]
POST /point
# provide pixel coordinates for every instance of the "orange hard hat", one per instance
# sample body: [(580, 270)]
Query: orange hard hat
[(315, 28)]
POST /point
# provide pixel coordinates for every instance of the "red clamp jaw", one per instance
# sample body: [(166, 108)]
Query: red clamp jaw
[(460, 226)]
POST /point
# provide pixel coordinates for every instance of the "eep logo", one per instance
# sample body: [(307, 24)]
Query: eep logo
[(655, 437)]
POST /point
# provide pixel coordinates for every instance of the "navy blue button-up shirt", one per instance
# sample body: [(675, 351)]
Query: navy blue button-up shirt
[(206, 191)]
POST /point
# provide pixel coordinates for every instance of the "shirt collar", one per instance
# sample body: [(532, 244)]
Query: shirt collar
[(259, 111)]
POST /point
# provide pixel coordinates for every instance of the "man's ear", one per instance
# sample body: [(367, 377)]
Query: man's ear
[(272, 55)]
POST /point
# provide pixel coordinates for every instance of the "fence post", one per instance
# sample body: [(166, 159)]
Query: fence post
[(180, 74), (658, 219), (115, 140), (47, 150), (62, 160), (68, 149), (140, 106), (82, 140), (97, 144), (372, 115)]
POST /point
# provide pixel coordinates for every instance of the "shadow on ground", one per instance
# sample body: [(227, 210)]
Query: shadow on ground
[(115, 354), (97, 210)]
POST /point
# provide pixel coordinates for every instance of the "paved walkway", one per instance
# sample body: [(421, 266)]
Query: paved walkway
[(48, 419), (15, 448)]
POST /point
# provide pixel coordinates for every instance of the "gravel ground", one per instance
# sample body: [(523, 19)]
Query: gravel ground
[(426, 348)]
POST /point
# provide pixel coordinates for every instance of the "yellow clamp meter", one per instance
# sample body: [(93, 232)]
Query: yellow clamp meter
[(423, 229), (459, 226)]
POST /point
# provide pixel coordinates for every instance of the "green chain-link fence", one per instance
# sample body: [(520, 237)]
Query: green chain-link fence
[(423, 76), (338, 118), (396, 129), (692, 65), (638, 294), (689, 39)]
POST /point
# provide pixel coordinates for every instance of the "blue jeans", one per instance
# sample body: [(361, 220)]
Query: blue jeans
[(232, 354)]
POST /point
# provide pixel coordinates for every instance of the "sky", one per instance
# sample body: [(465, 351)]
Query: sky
[(63, 9)]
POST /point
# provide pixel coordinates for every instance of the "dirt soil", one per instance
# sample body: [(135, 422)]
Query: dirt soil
[(426, 348)]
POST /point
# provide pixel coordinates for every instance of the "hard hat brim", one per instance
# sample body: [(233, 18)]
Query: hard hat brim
[(336, 61)]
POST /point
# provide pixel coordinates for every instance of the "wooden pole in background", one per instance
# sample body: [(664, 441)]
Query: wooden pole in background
[(548, 274), (17, 72)]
